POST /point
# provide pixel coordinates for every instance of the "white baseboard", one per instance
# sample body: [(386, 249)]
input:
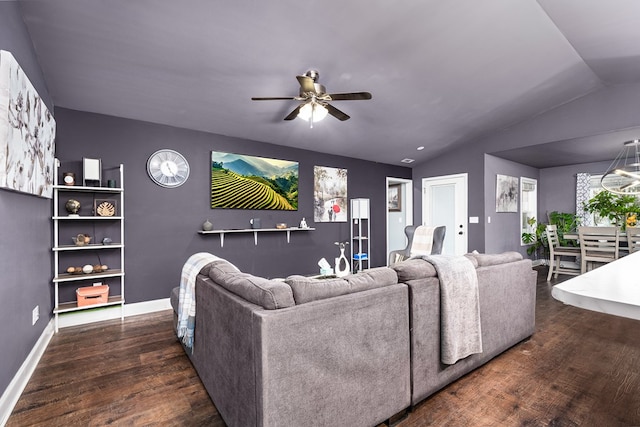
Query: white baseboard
[(83, 317), (16, 387), (537, 262)]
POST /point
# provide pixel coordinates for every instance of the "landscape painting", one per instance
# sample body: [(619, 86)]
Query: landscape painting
[(239, 181), (27, 133), (330, 194)]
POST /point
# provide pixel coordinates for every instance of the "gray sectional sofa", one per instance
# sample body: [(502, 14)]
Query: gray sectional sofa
[(507, 293), (352, 351)]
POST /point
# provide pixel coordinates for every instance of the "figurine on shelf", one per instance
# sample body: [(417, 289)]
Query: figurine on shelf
[(303, 223), (81, 239), (73, 207), (342, 261)]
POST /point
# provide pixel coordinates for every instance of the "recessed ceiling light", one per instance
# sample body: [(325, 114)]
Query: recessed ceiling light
[(421, 148), (407, 160)]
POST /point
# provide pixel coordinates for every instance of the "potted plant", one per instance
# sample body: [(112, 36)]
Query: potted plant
[(613, 207), (536, 237), (565, 223)]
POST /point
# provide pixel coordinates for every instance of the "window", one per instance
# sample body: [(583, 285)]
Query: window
[(528, 206)]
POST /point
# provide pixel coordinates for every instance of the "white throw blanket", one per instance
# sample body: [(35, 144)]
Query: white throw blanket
[(187, 298), (460, 330), (422, 242)]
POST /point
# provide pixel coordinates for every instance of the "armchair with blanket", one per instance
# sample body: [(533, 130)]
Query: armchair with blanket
[(421, 240)]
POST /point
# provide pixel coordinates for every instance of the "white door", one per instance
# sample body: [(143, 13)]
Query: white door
[(399, 212), (444, 202)]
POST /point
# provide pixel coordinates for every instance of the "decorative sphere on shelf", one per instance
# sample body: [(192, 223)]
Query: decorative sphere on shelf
[(87, 269), (72, 206)]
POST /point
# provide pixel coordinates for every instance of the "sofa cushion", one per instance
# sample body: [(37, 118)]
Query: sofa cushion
[(372, 278), (307, 289), (485, 260), (269, 294), (413, 269)]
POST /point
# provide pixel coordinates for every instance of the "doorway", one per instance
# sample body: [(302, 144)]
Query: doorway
[(444, 202), (399, 212)]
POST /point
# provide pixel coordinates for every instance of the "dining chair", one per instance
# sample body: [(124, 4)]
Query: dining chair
[(633, 239), (598, 245), (556, 252)]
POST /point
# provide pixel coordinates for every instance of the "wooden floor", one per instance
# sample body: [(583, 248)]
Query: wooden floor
[(580, 368)]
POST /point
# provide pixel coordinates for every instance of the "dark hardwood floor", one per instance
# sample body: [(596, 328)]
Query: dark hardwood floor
[(580, 368)]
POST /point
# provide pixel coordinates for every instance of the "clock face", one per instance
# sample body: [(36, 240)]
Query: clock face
[(168, 168)]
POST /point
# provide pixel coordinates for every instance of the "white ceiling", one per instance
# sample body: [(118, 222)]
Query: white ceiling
[(442, 73)]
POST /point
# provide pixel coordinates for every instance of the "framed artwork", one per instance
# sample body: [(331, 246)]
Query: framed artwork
[(27, 133), (239, 181), (506, 193), (394, 196), (330, 194)]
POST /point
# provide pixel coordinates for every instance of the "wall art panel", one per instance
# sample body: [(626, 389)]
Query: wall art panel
[(330, 194), (27, 133), (248, 182)]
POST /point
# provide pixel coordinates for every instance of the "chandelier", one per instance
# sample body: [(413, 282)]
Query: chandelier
[(623, 175)]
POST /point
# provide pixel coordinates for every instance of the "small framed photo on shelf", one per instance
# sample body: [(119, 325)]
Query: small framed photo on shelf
[(395, 198), (105, 207)]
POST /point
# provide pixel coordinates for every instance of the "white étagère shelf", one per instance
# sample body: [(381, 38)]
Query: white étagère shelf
[(255, 232), (66, 255)]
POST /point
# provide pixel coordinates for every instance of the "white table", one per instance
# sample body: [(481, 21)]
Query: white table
[(613, 288)]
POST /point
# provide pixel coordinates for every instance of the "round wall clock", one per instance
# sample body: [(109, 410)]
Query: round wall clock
[(168, 168)]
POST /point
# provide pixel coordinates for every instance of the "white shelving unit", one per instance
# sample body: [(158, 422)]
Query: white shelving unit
[(63, 223), (360, 233)]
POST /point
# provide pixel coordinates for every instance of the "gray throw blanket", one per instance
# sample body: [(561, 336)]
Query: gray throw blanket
[(460, 330)]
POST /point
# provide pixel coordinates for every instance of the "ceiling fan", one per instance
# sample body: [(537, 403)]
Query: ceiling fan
[(315, 100)]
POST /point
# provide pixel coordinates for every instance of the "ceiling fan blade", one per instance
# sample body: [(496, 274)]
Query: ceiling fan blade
[(337, 113), (289, 98), (349, 96), (292, 115), (306, 84)]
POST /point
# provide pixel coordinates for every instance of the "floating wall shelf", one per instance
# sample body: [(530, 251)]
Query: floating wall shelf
[(255, 232)]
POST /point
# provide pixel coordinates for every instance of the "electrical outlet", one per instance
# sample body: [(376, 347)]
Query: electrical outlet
[(35, 315)]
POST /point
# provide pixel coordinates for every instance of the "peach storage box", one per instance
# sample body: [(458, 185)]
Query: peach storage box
[(91, 295)]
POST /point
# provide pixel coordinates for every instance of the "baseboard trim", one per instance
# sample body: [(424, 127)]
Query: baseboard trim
[(537, 262), (16, 387), (110, 313)]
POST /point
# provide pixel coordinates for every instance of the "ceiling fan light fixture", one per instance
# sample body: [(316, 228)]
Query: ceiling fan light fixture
[(312, 112)]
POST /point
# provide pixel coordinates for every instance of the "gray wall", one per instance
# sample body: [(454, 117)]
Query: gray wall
[(558, 186), (25, 231), (161, 224), (469, 160), (503, 232)]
